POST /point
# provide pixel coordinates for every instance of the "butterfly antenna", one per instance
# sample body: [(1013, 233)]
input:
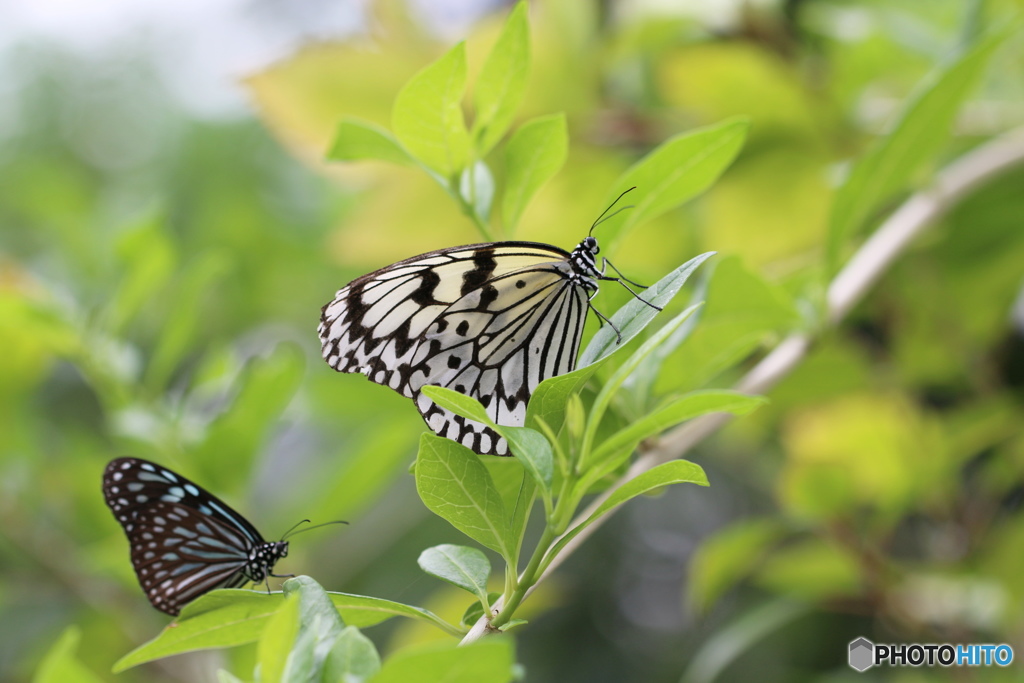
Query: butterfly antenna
[(293, 532), (602, 218), (294, 527)]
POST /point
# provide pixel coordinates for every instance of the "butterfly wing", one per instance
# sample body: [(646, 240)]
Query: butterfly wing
[(515, 338), (184, 540), (489, 320)]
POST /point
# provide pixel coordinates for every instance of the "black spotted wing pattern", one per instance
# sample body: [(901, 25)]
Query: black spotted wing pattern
[(491, 321), (184, 540)]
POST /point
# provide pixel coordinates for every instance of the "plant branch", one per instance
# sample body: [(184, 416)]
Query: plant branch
[(863, 270)]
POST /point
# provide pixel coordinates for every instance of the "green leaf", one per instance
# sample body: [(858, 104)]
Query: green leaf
[(353, 659), (148, 257), (476, 610), (676, 171), (535, 153), (683, 408), (224, 676), (59, 664), (728, 644), (232, 616), (502, 81), (511, 624), (275, 644), (729, 555), (181, 324), (362, 611), (921, 132), (675, 472), (221, 618), (458, 403), (518, 491), (551, 397), (488, 660), (467, 568), (229, 617), (455, 485), (477, 188), (427, 116), (319, 626), (532, 449), (608, 391), (356, 140), (266, 387), (366, 468), (632, 318), (641, 382), (742, 311)]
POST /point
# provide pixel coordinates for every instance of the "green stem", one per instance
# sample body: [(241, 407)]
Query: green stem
[(470, 210), (527, 579)]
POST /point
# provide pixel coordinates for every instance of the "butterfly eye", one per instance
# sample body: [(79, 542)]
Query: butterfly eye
[(591, 244)]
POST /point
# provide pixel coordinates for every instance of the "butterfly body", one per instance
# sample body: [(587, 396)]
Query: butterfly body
[(491, 321), (184, 540)]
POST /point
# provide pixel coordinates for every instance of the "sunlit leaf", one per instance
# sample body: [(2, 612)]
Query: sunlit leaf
[(477, 188), (427, 117), (632, 318), (357, 140), (502, 80), (612, 385), (683, 408), (676, 171), (919, 135), (742, 312), (535, 153)]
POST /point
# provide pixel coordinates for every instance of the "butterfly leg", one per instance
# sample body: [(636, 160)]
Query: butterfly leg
[(623, 280), (604, 267), (604, 319)]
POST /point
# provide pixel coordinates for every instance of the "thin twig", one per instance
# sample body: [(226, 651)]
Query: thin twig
[(867, 265)]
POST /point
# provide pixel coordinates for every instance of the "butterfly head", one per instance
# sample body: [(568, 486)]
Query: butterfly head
[(262, 559), (583, 261)]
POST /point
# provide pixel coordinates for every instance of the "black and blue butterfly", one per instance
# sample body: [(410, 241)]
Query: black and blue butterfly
[(184, 540)]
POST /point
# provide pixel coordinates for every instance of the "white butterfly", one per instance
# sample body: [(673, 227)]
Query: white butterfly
[(491, 321)]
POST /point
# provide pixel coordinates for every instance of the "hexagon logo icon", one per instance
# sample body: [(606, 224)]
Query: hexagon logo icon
[(862, 654)]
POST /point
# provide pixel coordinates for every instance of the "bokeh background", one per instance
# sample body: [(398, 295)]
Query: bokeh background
[(169, 231)]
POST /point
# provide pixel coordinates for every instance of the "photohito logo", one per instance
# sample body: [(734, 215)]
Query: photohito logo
[(864, 654)]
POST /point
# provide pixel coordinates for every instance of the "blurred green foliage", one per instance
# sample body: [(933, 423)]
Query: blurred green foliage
[(160, 284)]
